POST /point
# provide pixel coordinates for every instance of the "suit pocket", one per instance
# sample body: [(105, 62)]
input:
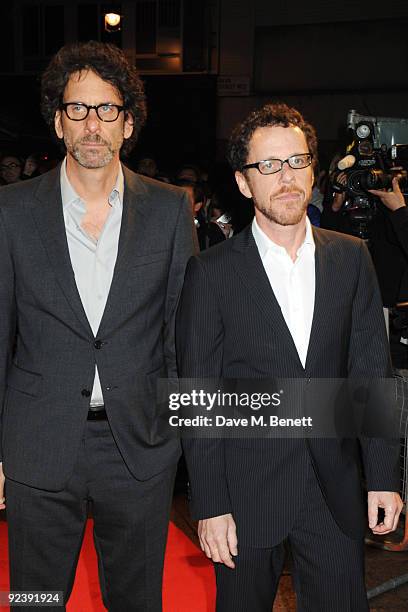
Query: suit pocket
[(24, 381)]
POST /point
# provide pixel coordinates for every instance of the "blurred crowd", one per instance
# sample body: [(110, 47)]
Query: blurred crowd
[(213, 216), (14, 169)]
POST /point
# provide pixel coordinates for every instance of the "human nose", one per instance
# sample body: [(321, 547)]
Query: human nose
[(287, 174), (92, 121)]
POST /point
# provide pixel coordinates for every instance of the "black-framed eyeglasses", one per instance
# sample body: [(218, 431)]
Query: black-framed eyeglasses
[(78, 111), (271, 166)]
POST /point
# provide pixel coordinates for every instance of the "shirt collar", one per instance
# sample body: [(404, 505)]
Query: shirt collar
[(265, 244), (69, 195), (309, 235)]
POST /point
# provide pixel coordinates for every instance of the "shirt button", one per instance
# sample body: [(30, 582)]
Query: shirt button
[(98, 344), (86, 393)]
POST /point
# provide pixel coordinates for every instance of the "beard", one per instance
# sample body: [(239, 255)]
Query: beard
[(90, 157), (281, 212)]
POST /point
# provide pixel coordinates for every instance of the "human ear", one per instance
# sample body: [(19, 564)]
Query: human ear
[(243, 185)]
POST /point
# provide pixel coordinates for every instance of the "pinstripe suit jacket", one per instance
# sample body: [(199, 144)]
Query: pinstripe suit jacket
[(229, 324), (47, 349)]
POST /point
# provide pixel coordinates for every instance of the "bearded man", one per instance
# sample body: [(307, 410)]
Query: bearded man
[(92, 259), (288, 301)]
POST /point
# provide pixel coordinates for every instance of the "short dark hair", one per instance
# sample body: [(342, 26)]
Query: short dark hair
[(269, 115), (110, 64)]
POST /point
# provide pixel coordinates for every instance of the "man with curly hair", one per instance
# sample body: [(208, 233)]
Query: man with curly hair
[(92, 259), (283, 300)]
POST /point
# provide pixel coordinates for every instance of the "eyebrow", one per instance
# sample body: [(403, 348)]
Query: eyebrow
[(86, 103)]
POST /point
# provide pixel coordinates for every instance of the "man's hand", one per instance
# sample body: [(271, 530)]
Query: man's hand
[(338, 201), (2, 481), (392, 505), (392, 199), (339, 198), (218, 539)]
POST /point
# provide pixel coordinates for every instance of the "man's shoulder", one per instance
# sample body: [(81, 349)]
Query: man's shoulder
[(223, 253), (151, 188), (18, 196), (324, 237)]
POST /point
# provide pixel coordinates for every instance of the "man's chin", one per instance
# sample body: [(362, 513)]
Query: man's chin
[(92, 159), (286, 222), (286, 218)]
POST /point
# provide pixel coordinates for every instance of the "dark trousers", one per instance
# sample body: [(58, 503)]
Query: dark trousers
[(328, 566), (130, 528)]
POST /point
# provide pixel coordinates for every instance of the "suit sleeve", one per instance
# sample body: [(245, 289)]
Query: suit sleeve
[(7, 317), (199, 339), (184, 245), (369, 359), (399, 221)]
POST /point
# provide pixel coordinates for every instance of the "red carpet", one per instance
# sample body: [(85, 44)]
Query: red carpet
[(189, 584)]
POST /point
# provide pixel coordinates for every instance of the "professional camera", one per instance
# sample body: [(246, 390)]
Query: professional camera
[(373, 159)]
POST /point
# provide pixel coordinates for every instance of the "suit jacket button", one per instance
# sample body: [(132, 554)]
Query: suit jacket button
[(98, 344), (86, 393)]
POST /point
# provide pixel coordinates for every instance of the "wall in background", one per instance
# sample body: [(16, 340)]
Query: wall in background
[(324, 57)]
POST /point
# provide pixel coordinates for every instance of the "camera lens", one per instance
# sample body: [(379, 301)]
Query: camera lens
[(355, 182), (375, 179)]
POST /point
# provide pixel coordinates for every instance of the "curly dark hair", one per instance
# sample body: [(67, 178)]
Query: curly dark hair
[(110, 64), (269, 115)]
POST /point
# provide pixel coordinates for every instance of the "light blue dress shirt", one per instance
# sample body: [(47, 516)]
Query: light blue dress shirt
[(93, 261)]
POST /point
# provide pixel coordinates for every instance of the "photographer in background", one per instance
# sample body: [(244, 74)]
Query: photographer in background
[(357, 203), (397, 213), (394, 200), (389, 245), (389, 250)]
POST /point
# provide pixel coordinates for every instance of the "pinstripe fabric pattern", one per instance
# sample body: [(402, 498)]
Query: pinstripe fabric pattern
[(328, 566), (229, 324)]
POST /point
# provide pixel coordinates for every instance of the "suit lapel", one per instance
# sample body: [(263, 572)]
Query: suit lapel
[(324, 272), (49, 219), (249, 267), (133, 241)]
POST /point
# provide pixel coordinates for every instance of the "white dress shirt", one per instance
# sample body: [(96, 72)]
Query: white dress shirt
[(293, 283), (93, 261)]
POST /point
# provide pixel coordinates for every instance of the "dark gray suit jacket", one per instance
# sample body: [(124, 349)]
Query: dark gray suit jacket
[(230, 325), (47, 349)]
